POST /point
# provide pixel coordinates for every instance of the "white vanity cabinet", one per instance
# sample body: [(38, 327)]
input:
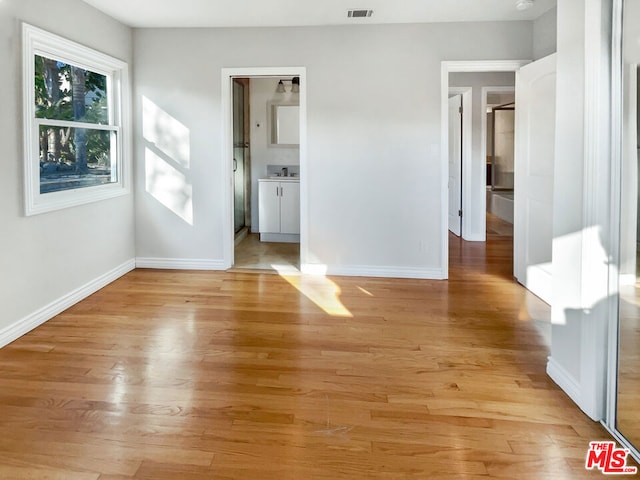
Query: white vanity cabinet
[(279, 209)]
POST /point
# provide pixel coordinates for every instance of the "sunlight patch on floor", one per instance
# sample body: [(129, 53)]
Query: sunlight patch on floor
[(317, 288), (533, 308)]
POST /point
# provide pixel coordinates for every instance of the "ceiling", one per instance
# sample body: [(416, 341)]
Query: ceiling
[(267, 13)]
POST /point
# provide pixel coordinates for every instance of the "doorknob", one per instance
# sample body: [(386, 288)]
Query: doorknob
[(235, 165)]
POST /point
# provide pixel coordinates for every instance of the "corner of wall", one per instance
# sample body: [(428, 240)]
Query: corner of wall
[(40, 316), (564, 380)]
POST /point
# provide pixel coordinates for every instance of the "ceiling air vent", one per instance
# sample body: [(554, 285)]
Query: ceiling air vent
[(359, 13)]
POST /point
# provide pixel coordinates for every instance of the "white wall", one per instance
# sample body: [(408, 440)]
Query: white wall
[(373, 121), (476, 217), (580, 303), (545, 34), (263, 90), (45, 257)]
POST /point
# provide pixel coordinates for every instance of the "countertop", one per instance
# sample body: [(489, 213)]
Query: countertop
[(279, 179)]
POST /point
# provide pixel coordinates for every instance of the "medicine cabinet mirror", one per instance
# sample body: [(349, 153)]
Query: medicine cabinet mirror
[(284, 124)]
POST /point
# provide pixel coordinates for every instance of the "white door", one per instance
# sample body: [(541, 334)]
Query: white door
[(534, 159), (455, 164), (269, 207), (290, 207)]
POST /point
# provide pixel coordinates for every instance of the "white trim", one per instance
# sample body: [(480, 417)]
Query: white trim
[(36, 41), (477, 237), (484, 65), (28, 323), (496, 89), (564, 380), (280, 237), (73, 124), (444, 167), (635, 453), (447, 67), (373, 271), (240, 236), (180, 263), (616, 216), (227, 75)]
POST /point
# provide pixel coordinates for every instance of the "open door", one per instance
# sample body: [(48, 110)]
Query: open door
[(534, 161), (455, 164)]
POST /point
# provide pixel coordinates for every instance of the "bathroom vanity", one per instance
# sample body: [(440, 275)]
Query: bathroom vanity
[(279, 209)]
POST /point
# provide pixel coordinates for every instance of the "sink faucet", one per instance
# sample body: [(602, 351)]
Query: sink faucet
[(285, 171)]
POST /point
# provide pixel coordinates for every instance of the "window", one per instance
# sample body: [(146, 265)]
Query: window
[(74, 123)]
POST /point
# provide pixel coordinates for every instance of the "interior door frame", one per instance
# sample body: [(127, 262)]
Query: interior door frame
[(477, 66), (227, 75)]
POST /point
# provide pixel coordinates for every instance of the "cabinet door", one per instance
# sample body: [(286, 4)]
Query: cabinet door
[(269, 207), (290, 208)]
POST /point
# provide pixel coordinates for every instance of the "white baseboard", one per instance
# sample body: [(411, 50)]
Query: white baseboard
[(564, 380), (475, 237), (28, 323), (239, 237), (280, 237), (373, 271), (180, 263)]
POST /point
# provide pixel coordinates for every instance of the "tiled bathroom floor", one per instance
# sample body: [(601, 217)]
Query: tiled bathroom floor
[(252, 254)]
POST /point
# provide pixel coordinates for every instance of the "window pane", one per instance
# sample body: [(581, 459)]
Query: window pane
[(67, 92), (75, 158)]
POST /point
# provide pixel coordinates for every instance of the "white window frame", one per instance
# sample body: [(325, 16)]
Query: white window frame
[(36, 41)]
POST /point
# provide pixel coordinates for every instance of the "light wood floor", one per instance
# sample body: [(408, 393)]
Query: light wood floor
[(628, 413), (217, 375), (498, 227)]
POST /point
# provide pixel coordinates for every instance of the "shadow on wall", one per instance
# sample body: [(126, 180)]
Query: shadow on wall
[(167, 160)]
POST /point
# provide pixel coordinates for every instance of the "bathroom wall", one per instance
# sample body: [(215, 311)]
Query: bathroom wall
[(262, 91)]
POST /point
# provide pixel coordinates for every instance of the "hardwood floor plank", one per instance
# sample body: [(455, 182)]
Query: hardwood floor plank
[(233, 375), (10, 468)]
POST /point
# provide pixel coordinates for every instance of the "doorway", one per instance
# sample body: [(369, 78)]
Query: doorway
[(474, 201), (249, 163), (534, 155), (498, 108)]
